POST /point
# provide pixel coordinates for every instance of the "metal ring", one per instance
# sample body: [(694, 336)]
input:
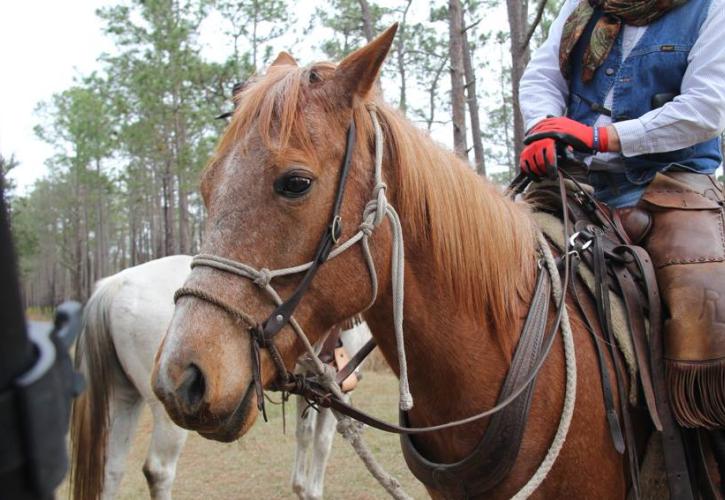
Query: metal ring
[(336, 229)]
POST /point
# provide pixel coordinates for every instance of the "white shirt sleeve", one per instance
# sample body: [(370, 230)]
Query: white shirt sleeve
[(698, 113), (543, 91)]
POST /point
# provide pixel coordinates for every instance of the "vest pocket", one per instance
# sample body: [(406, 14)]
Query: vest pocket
[(577, 109)]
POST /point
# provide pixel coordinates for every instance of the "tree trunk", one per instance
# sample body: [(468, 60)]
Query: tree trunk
[(132, 234), (506, 123), (520, 54), (168, 210), (254, 34), (77, 254), (100, 229), (433, 91), (458, 98), (184, 240), (77, 265), (401, 49), (157, 234), (367, 20), (473, 104), (521, 33)]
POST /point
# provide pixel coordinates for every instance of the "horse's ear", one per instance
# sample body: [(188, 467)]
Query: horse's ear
[(284, 58), (358, 71)]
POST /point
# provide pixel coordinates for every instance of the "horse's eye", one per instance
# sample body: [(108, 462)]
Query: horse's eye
[(292, 185)]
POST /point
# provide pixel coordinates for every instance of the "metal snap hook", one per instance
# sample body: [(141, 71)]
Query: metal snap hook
[(573, 239)]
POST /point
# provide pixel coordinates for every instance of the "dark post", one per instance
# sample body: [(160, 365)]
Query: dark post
[(16, 351)]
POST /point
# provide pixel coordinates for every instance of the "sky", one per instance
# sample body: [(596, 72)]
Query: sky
[(44, 46)]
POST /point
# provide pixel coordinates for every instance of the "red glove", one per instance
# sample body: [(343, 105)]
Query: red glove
[(581, 137), (539, 157)]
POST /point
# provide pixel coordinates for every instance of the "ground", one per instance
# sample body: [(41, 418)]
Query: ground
[(260, 464)]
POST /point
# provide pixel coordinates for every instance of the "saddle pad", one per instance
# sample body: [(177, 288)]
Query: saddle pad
[(553, 229)]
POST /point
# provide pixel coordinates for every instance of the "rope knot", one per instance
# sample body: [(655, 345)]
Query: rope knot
[(264, 277), (327, 377), (349, 428), (367, 228)]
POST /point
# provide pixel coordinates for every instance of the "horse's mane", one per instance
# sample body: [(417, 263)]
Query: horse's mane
[(479, 237)]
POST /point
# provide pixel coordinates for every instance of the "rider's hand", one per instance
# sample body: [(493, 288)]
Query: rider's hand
[(581, 137), (538, 159)]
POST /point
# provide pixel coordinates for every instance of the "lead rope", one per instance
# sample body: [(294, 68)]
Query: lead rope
[(571, 375), (382, 208)]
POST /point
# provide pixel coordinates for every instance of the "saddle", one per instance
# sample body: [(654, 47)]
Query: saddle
[(605, 243)]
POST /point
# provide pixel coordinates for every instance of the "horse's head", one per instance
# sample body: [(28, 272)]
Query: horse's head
[(269, 192)]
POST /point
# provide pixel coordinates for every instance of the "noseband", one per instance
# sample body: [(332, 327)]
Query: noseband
[(263, 334)]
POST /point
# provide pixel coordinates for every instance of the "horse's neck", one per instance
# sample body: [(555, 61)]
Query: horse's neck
[(456, 364)]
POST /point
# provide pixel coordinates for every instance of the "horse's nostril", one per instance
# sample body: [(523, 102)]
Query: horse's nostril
[(190, 392)]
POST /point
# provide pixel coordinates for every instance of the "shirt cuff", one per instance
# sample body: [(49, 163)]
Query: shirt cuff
[(631, 137), (532, 123)]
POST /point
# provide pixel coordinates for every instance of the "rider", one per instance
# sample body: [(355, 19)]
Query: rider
[(639, 86)]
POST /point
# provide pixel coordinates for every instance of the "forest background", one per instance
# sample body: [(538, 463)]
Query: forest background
[(131, 137)]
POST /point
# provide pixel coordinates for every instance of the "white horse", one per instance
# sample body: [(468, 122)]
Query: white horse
[(125, 320), (316, 430)]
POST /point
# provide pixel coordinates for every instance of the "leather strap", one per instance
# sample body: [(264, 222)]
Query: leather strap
[(282, 313), (355, 361), (327, 352), (678, 477), (635, 318), (263, 335), (615, 428), (494, 456), (604, 311), (677, 472), (707, 484)]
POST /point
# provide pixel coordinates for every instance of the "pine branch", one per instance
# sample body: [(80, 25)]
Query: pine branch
[(535, 24)]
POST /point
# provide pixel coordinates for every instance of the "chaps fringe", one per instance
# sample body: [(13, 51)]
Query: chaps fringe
[(697, 392)]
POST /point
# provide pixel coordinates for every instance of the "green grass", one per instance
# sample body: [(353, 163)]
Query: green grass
[(260, 464)]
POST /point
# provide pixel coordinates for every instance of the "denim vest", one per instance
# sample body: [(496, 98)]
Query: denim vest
[(655, 65)]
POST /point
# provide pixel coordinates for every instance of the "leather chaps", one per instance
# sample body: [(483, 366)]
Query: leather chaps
[(680, 221)]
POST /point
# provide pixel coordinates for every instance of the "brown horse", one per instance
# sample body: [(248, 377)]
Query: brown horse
[(470, 267)]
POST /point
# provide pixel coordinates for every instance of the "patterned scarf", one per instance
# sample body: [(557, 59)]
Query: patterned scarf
[(616, 13)]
